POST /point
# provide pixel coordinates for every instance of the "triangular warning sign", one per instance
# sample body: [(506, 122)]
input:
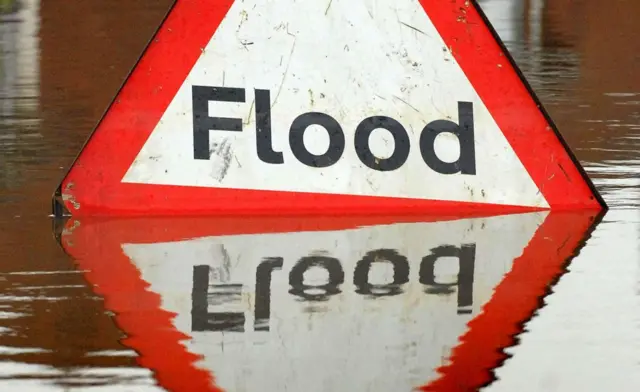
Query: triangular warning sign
[(319, 304), (256, 106)]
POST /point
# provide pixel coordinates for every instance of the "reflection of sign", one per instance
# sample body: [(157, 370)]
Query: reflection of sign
[(293, 304), (324, 263), (300, 106)]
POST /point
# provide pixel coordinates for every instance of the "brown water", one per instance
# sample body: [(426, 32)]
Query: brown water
[(61, 65)]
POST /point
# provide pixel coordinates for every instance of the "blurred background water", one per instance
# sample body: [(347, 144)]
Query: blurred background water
[(60, 65)]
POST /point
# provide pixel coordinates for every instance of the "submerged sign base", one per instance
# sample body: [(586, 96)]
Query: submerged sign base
[(347, 106), (317, 304)]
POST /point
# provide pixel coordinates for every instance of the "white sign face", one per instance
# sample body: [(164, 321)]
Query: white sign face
[(350, 97), (374, 308)]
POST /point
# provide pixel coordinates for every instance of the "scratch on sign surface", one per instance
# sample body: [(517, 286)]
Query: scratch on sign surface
[(406, 103), (286, 69), (253, 101), (564, 172), (328, 6), (412, 28)]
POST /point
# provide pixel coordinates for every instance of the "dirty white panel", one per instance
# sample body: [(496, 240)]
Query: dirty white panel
[(350, 59), (340, 341)]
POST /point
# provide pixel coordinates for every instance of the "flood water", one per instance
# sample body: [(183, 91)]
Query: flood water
[(527, 302)]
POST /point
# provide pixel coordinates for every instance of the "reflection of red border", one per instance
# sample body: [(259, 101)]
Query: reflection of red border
[(513, 303), (93, 185), (96, 245)]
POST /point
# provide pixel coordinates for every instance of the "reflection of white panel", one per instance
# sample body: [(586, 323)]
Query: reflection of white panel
[(19, 57), (29, 53), (506, 17), (350, 341), (519, 24)]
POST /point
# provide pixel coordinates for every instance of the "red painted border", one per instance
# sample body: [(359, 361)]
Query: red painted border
[(93, 187), (513, 105), (95, 243)]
